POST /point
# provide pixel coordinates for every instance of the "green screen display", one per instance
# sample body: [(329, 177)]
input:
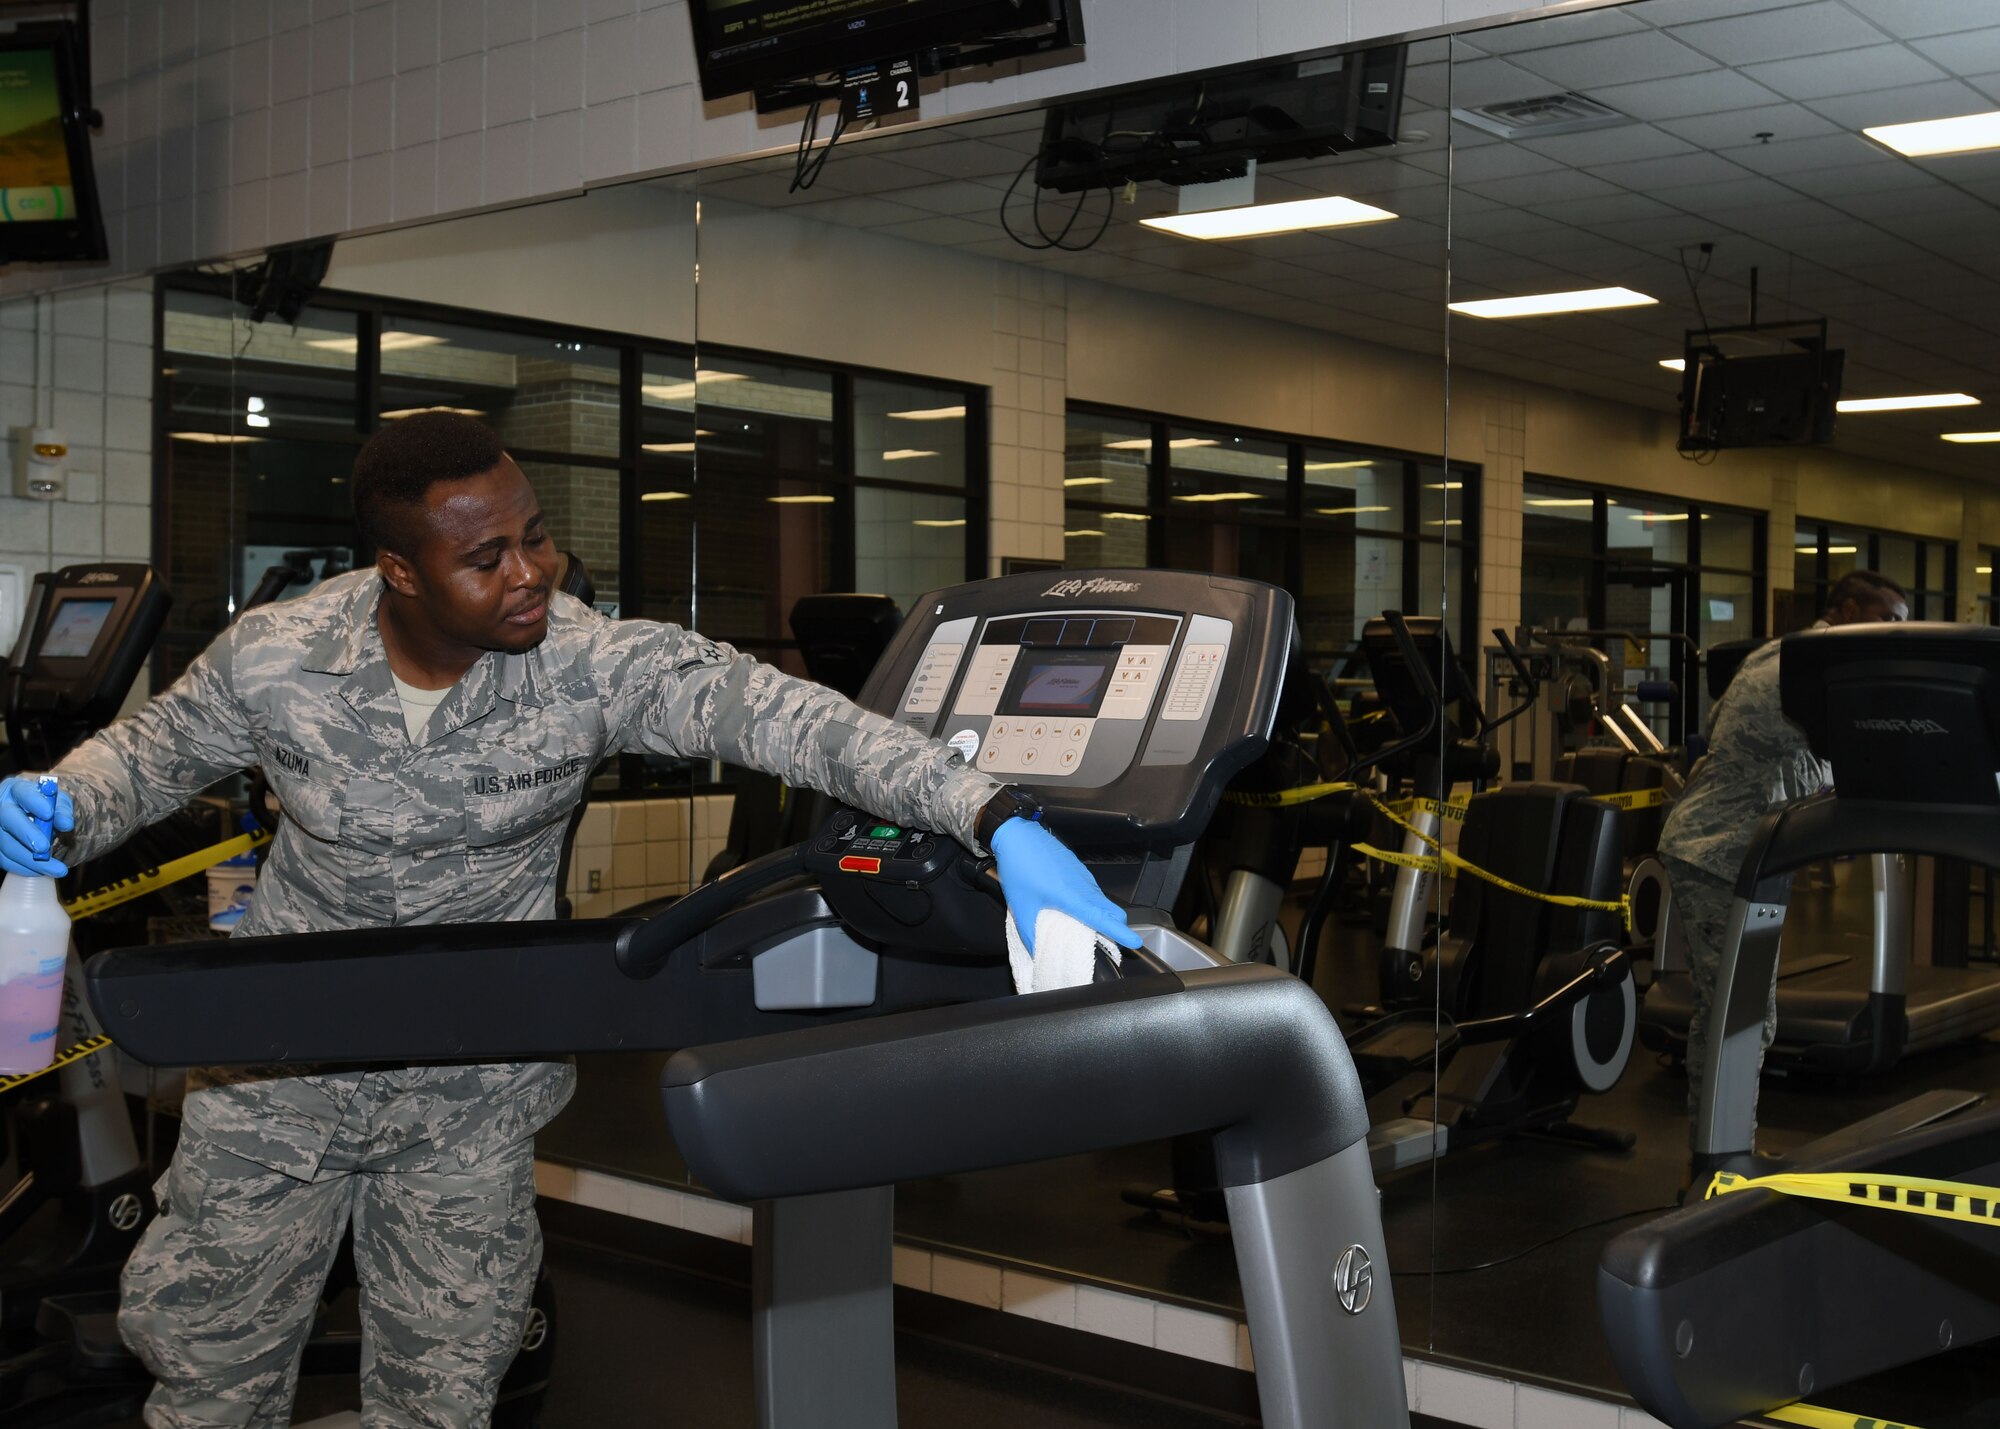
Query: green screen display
[(35, 180)]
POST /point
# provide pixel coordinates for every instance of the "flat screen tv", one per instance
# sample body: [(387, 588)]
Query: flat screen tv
[(48, 190), (1772, 400), (742, 46)]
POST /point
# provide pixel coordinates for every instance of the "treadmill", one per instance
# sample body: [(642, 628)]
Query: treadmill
[(843, 1018), (1841, 1015), (1734, 1306)]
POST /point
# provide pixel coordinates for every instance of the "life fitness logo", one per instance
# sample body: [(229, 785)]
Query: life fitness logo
[(98, 578), (1901, 726), (1097, 585)]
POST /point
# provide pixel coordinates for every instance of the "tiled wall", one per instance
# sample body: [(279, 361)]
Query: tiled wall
[(1506, 428), (1030, 390), (235, 124), (630, 850), (1477, 1401), (83, 362)]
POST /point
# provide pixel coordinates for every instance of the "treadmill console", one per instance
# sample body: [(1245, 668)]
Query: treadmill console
[(85, 633), (1126, 699)]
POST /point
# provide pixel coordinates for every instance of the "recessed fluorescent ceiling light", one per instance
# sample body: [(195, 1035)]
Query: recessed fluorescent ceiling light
[(960, 521), (1971, 436), (1674, 364), (1454, 521), (904, 454), (1141, 444), (665, 496), (929, 414), (1982, 570), (1444, 485), (1830, 550), (1337, 465), (1219, 496), (1906, 404), (1562, 500), (800, 500), (667, 447), (682, 391), (389, 342), (221, 439), (1659, 516), (403, 412), (1926, 137), (1083, 533), (1257, 220), (1126, 516), (1530, 305), (1086, 481), (1348, 510)]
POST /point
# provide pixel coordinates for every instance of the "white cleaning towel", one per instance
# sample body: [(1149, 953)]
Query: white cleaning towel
[(1065, 953)]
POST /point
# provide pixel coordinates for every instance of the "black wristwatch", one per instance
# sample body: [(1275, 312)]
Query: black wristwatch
[(1010, 802)]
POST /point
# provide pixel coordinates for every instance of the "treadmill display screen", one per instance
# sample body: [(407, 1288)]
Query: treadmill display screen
[(74, 628), (1061, 689)]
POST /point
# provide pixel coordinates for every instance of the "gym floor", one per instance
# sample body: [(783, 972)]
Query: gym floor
[(1495, 1249)]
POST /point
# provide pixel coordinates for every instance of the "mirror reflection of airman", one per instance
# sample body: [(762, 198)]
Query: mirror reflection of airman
[(462, 825)]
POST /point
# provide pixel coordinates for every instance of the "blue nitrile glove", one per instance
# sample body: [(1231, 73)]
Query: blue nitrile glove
[(1037, 872), (25, 815)]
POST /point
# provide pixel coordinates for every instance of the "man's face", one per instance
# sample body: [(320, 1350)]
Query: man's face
[(484, 564), (1872, 607)]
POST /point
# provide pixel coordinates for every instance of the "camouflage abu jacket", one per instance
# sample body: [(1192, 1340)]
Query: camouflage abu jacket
[(467, 824), (1757, 759)]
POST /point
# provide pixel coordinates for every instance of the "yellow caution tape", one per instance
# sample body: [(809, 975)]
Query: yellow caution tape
[(89, 1047), (1635, 798), (145, 881), (1443, 858), (1284, 798), (1453, 809), (1912, 1195), (1814, 1417)]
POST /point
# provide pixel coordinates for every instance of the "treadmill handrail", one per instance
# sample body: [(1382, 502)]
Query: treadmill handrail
[(644, 948), (1823, 826)]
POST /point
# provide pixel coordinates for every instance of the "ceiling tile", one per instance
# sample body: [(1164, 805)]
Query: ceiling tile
[(1779, 34), (1556, 30), (1831, 184), (1973, 52), (1550, 187), (1796, 156), (1846, 72), (1742, 126), (1679, 171), (1620, 60), (1499, 161), (1609, 146), (1481, 82), (1611, 208), (1940, 100), (1706, 93), (1907, 18), (1741, 193)]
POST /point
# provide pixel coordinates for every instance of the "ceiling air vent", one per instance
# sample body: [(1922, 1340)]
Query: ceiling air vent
[(1540, 117)]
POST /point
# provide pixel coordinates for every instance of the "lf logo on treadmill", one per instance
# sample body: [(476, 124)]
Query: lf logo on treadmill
[(1354, 1279)]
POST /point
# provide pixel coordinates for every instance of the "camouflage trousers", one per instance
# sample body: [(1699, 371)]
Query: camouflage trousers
[(219, 1297), (1703, 903)]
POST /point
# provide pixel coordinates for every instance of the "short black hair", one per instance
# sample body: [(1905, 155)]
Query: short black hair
[(403, 461), (1859, 586)]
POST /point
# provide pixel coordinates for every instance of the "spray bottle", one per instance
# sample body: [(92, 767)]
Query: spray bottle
[(34, 947)]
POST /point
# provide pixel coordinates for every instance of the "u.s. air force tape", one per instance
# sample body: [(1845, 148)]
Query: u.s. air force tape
[(144, 882), (1912, 1195), (90, 1046)]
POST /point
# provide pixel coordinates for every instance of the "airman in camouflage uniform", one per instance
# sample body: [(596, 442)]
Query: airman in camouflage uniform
[(1756, 761), (461, 824)]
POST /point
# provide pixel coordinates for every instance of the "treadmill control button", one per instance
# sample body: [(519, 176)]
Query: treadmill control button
[(853, 864)]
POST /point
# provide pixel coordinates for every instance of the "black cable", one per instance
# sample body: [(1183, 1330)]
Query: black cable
[(1693, 282), (1075, 212), (1542, 1244), (807, 171)]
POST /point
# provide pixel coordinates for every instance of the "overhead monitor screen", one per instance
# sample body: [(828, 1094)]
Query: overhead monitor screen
[(36, 185), (1061, 689), (74, 628)]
